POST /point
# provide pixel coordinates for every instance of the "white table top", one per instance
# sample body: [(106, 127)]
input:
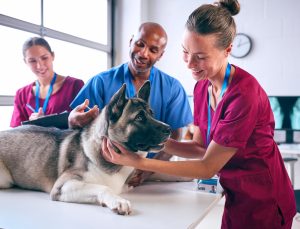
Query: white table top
[(155, 205)]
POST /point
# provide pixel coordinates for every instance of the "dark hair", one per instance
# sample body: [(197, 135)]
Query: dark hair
[(36, 41), (215, 19)]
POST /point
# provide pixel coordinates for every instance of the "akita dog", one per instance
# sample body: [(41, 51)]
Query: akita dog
[(69, 164)]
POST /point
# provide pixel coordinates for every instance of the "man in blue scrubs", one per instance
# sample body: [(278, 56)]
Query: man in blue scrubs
[(168, 99)]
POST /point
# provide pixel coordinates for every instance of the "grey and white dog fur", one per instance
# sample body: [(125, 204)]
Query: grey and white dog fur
[(69, 164)]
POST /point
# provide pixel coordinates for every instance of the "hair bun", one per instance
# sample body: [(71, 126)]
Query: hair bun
[(233, 6)]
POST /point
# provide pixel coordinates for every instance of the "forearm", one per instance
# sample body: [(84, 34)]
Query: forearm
[(191, 168), (190, 149)]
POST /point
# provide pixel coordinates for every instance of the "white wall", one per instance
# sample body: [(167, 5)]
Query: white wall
[(272, 24)]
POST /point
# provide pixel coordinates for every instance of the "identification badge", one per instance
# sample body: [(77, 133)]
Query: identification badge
[(211, 185)]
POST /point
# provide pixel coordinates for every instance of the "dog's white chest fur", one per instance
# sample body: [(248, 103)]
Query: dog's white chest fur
[(115, 181)]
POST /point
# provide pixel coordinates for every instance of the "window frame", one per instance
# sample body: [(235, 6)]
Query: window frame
[(7, 100), (15, 23)]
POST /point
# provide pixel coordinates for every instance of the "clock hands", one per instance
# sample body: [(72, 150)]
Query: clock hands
[(242, 43)]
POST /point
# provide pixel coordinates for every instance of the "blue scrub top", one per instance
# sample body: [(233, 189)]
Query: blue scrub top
[(168, 99)]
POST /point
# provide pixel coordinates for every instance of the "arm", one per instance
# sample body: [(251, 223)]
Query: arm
[(19, 112), (213, 161), (78, 118), (190, 149)]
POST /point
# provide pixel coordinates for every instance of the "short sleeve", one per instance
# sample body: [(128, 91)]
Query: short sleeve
[(238, 122), (178, 113), (92, 91), (78, 84), (19, 114)]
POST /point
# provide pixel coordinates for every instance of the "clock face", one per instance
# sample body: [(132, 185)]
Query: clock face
[(241, 45)]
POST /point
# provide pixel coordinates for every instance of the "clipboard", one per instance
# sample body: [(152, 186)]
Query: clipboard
[(53, 120)]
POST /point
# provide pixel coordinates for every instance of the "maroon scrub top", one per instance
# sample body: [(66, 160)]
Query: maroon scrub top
[(257, 187), (58, 102)]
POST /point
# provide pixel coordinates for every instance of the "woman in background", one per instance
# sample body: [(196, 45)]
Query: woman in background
[(234, 128), (51, 93)]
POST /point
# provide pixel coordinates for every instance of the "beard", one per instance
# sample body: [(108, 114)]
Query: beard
[(140, 65)]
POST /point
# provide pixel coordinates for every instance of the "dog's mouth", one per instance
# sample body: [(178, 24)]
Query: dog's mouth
[(144, 147)]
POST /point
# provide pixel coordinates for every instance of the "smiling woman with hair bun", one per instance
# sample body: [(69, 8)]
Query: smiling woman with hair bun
[(233, 129)]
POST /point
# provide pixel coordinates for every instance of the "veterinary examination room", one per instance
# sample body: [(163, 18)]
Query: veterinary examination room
[(142, 114)]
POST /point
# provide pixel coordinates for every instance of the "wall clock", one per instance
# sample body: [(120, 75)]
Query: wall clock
[(241, 45)]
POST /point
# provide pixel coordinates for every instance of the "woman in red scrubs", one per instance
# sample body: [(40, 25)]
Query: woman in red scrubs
[(234, 127)]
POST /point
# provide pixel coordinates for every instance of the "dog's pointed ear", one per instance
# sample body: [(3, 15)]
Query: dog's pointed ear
[(117, 103), (144, 91)]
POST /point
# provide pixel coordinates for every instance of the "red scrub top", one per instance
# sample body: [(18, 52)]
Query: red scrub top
[(257, 187), (58, 102)]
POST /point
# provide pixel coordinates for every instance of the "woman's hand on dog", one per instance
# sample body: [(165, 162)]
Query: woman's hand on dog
[(78, 118), (124, 158)]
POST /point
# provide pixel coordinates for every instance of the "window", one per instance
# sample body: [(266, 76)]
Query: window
[(76, 20), (14, 71), (15, 9), (79, 36)]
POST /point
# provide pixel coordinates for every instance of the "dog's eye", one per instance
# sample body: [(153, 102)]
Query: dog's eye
[(140, 117)]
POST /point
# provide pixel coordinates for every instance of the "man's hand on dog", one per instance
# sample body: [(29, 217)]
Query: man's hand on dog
[(78, 118), (139, 177)]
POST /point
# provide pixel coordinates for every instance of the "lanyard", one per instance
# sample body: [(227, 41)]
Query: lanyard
[(37, 93), (224, 86), (131, 86)]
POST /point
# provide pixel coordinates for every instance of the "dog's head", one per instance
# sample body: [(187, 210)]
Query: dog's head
[(131, 122)]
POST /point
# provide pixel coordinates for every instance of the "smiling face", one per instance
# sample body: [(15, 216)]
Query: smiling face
[(202, 56), (40, 61), (146, 48)]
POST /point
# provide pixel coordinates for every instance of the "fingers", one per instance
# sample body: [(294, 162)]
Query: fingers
[(134, 182), (33, 116), (123, 158), (81, 107), (120, 147), (40, 111), (105, 149), (36, 115), (94, 111), (78, 118), (137, 178)]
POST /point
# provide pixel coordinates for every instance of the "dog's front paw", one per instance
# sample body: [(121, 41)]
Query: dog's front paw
[(121, 206), (115, 203)]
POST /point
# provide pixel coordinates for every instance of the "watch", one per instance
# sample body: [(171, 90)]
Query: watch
[(241, 45)]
